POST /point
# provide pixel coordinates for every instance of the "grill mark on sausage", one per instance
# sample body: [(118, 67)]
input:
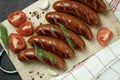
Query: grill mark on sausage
[(95, 4), (53, 33), (43, 31), (78, 9)]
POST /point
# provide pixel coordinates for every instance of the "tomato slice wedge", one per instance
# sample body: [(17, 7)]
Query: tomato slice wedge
[(16, 18), (16, 42), (26, 29), (104, 35)]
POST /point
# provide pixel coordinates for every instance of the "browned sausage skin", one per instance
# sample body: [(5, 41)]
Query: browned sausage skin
[(28, 55), (52, 44), (56, 31), (78, 9), (70, 22), (97, 5)]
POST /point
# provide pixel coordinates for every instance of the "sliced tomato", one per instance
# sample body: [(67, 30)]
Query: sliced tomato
[(16, 18), (16, 42), (26, 29), (104, 35)]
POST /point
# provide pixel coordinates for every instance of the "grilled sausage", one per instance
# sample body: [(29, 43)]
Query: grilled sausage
[(56, 31), (28, 55), (97, 5), (78, 9), (52, 44), (70, 22)]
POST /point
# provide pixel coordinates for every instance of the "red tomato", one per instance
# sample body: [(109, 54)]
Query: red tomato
[(104, 35), (16, 42), (16, 18), (26, 29)]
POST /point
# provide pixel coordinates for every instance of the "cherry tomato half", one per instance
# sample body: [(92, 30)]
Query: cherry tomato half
[(16, 42), (16, 18), (104, 35), (26, 29)]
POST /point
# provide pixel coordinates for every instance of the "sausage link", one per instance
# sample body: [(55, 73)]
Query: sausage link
[(78, 9), (28, 55), (56, 31), (70, 22), (97, 5), (52, 44)]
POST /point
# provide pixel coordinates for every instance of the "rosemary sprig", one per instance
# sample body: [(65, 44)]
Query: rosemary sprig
[(53, 26), (40, 52), (67, 37), (4, 36)]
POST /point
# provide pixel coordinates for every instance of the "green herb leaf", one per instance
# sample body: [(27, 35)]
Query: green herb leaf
[(4, 36), (67, 37), (53, 26), (40, 52)]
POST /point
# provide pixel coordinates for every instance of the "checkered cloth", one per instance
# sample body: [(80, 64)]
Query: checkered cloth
[(104, 65), (115, 7)]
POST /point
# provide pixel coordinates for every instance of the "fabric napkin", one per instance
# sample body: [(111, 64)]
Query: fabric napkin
[(100, 66), (114, 70), (115, 7)]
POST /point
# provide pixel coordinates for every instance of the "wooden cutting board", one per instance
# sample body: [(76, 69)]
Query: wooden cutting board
[(36, 70)]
